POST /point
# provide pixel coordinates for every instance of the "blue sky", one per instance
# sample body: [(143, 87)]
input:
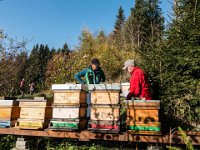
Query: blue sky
[(55, 22)]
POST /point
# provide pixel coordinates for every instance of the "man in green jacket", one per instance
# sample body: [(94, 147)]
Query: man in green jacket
[(93, 74)]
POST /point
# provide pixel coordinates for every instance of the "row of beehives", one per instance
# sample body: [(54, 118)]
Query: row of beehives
[(69, 110)]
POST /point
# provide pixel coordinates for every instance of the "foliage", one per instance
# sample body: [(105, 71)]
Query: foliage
[(119, 23), (36, 65), (7, 142), (185, 139), (12, 64), (181, 75), (73, 144), (58, 69)]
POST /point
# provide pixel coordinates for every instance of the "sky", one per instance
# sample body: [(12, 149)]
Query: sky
[(55, 22)]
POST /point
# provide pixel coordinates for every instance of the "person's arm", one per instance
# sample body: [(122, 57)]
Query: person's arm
[(135, 87), (79, 76)]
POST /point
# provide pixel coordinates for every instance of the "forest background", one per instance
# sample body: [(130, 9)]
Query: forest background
[(168, 52)]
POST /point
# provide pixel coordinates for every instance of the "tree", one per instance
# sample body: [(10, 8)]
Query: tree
[(119, 23), (182, 80), (37, 64), (12, 63)]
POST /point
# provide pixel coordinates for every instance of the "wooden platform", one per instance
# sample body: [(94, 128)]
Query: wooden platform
[(85, 135)]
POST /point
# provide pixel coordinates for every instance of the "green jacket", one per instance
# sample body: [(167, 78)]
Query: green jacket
[(91, 76)]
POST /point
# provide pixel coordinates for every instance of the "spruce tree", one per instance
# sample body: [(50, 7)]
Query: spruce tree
[(65, 49), (119, 23), (182, 79)]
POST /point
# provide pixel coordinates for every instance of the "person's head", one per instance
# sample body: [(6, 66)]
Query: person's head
[(95, 63), (129, 65)]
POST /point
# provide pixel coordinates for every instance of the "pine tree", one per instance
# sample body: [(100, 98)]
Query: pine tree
[(65, 49), (182, 78), (119, 23)]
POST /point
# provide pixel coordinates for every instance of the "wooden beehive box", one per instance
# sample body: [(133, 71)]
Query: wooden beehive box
[(9, 113), (7, 123), (35, 112), (9, 109), (69, 112), (68, 124), (104, 125), (69, 94), (35, 109), (104, 112), (142, 111), (104, 93), (150, 126), (143, 115), (104, 97), (32, 123)]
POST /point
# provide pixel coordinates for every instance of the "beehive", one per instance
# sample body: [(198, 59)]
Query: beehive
[(68, 124), (69, 94), (69, 107), (104, 93), (32, 123), (9, 113), (104, 107), (143, 115), (34, 114), (69, 111)]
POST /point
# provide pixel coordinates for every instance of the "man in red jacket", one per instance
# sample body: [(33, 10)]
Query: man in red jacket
[(139, 86)]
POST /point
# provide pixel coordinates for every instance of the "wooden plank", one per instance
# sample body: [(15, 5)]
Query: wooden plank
[(33, 103), (142, 103), (150, 138), (137, 132)]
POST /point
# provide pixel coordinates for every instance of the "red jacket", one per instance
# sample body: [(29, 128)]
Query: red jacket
[(139, 86)]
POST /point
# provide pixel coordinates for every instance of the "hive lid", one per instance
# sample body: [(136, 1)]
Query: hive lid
[(112, 86), (125, 84), (68, 86), (8, 102)]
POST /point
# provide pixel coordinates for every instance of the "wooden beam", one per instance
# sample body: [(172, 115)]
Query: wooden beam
[(142, 137)]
